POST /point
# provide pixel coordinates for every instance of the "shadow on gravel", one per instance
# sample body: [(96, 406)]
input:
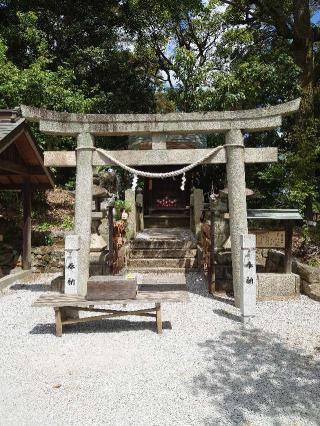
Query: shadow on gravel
[(107, 326), (222, 299), (251, 372), (228, 315), (197, 284), (32, 287)]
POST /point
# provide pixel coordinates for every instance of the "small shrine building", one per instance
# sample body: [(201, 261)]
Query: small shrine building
[(164, 203)]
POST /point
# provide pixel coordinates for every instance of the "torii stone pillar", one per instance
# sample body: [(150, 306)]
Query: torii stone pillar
[(237, 201), (83, 206)]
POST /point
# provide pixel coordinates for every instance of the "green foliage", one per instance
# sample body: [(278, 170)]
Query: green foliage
[(63, 59), (314, 262), (71, 184), (186, 55), (45, 226), (68, 223), (36, 84), (120, 205)]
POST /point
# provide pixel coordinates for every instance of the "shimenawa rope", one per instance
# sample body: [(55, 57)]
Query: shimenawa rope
[(174, 173)]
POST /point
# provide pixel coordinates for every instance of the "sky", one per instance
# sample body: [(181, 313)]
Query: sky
[(316, 17)]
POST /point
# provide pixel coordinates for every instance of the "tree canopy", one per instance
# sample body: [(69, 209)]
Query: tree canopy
[(158, 56)]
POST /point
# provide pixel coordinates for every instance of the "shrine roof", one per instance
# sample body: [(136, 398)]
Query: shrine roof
[(20, 157), (274, 214)]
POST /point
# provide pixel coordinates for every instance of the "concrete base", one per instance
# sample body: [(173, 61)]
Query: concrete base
[(12, 278), (277, 286)]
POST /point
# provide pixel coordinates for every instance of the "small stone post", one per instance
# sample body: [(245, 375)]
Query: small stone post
[(248, 289), (288, 248), (198, 205), (71, 268), (139, 204), (211, 269), (192, 210), (83, 206), (110, 237), (26, 230), (130, 198), (237, 202)]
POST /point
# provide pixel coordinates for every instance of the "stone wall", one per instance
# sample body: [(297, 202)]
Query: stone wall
[(277, 286), (47, 259), (310, 276), (275, 262), (223, 268), (51, 259), (310, 280)]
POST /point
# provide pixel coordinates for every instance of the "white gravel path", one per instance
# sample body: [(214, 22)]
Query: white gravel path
[(206, 370)]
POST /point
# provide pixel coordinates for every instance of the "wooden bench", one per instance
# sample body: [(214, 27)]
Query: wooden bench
[(150, 292)]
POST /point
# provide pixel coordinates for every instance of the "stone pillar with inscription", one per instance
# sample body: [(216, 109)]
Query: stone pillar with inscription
[(71, 269), (248, 276)]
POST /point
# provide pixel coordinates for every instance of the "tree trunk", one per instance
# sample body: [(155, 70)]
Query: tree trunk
[(302, 48)]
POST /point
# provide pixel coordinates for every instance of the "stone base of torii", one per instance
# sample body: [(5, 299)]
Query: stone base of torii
[(234, 124)]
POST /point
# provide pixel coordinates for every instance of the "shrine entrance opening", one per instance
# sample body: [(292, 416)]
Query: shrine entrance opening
[(165, 205)]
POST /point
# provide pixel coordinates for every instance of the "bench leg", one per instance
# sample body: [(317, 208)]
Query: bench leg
[(158, 318), (57, 312), (69, 313)]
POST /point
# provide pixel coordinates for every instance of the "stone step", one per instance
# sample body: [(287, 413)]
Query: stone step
[(142, 244), (166, 221), (310, 287), (162, 253), (315, 294), (164, 262), (161, 270)]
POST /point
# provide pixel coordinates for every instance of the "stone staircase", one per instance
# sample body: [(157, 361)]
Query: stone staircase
[(166, 221), (160, 250)]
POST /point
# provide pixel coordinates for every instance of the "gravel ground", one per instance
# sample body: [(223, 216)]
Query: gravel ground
[(205, 370)]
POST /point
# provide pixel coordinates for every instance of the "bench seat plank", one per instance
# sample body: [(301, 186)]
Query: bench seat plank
[(59, 300)]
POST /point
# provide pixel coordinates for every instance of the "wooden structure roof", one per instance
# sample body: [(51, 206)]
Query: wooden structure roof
[(20, 158), (274, 214)]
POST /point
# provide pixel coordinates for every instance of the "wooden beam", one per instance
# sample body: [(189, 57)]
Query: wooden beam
[(26, 232), (161, 156), (39, 157), (19, 169), (18, 186), (35, 174), (10, 138)]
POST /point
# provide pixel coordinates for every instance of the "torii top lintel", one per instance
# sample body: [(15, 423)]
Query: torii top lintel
[(71, 124)]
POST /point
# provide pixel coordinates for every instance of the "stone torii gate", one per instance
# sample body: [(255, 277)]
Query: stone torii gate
[(232, 123)]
